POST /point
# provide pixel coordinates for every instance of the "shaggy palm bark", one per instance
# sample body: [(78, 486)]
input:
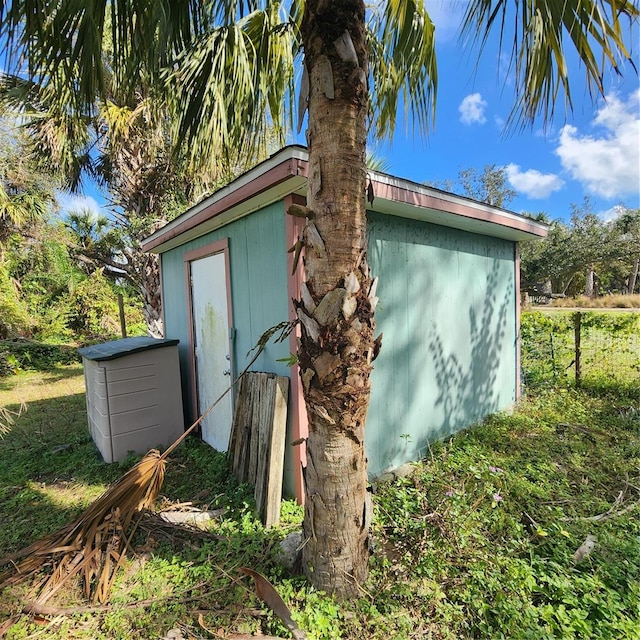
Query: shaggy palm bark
[(336, 310), (150, 291)]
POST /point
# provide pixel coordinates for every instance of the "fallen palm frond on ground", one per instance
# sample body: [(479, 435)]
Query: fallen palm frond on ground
[(7, 418), (94, 545)]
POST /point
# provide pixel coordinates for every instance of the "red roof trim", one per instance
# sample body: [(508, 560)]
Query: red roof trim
[(482, 213)]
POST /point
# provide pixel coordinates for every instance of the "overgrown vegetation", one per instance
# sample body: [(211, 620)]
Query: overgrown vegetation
[(49, 296), (479, 541), (609, 346)]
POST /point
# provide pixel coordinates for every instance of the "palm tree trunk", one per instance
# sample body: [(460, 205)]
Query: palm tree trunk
[(336, 348), (151, 296)]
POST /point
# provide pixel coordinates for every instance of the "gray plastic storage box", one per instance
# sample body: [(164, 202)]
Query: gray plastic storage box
[(134, 399)]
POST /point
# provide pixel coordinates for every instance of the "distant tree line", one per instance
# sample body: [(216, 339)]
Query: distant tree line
[(585, 256)]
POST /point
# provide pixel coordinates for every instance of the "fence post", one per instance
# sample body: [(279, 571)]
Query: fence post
[(577, 322)]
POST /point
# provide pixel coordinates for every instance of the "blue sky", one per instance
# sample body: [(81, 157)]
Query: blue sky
[(592, 151)]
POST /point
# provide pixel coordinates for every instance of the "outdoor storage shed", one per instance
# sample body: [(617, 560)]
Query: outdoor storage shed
[(134, 397), (448, 271)]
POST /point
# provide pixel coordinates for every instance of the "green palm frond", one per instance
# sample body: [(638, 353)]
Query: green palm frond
[(20, 209), (234, 84), (401, 39), (58, 134), (117, 118), (71, 39), (541, 33)]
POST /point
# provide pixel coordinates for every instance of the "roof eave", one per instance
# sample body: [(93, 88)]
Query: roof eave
[(286, 171), (267, 182), (411, 200)]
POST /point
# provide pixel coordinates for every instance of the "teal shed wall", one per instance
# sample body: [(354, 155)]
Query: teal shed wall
[(258, 274), (448, 314)]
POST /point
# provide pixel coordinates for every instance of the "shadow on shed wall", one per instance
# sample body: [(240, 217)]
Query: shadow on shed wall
[(447, 311)]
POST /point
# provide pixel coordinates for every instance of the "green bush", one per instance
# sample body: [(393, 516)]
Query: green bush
[(21, 355), (14, 317)]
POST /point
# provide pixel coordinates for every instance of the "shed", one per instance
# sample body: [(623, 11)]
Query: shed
[(448, 271)]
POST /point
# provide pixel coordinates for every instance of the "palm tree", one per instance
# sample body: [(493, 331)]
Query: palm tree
[(126, 143), (226, 47), (26, 195)]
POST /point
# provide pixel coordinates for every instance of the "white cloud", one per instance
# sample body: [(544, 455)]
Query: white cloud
[(472, 109), (532, 182), (607, 164), (70, 203), (612, 214)]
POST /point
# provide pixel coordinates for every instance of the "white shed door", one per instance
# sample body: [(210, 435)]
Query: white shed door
[(212, 347)]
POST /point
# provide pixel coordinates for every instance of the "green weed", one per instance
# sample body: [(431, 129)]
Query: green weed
[(478, 542)]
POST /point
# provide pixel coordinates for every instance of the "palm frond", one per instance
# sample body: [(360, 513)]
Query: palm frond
[(94, 545), (401, 39), (542, 33), (233, 87), (72, 38)]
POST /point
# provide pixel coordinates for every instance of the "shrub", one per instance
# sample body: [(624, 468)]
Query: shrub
[(14, 318)]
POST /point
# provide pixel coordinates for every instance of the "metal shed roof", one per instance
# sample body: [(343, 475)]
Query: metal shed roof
[(285, 173)]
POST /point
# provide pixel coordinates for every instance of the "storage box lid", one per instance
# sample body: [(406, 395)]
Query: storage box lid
[(125, 347)]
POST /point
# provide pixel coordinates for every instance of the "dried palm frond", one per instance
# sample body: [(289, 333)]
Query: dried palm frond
[(94, 545)]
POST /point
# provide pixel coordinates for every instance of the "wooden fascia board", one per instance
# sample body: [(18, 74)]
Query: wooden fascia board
[(409, 200)]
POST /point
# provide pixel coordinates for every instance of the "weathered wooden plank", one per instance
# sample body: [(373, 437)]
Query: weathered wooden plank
[(246, 441), (241, 431), (257, 397), (257, 440), (263, 437), (233, 436), (274, 478)]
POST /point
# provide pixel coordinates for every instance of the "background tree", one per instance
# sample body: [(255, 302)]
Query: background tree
[(545, 265), (41, 269), (336, 310), (628, 225), (26, 194), (584, 256), (26, 197), (590, 247), (490, 186)]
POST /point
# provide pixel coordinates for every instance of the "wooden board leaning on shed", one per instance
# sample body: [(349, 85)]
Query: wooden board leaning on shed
[(257, 440)]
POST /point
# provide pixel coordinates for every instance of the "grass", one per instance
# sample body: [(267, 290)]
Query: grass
[(478, 542)]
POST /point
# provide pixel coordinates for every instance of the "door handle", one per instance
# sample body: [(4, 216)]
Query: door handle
[(226, 372)]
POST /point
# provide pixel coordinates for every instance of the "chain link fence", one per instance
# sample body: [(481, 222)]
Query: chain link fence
[(569, 347)]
